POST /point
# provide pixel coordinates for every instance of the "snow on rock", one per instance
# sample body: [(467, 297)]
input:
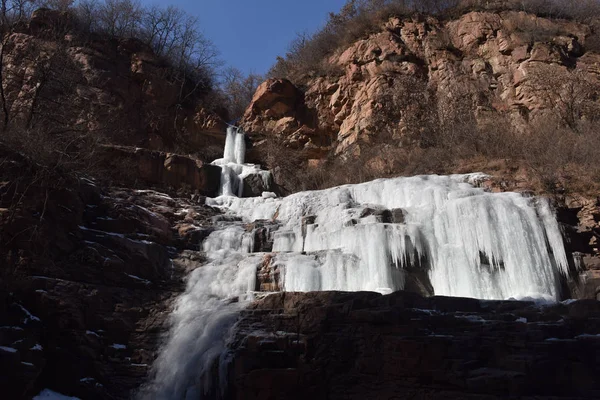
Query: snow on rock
[(28, 316), (8, 349), (48, 394), (137, 278)]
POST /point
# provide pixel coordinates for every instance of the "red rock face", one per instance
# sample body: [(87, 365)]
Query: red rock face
[(277, 98), (278, 107), (483, 55)]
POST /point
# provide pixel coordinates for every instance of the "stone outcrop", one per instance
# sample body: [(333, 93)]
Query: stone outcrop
[(275, 99), (278, 106), (333, 345), (488, 62), (256, 184)]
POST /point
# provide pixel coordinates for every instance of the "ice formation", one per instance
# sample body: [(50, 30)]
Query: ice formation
[(233, 168), (471, 242)]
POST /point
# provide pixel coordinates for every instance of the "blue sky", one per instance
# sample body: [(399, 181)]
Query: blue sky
[(250, 34)]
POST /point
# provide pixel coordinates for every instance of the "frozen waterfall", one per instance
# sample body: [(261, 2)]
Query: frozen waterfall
[(471, 242), (367, 236), (233, 168)]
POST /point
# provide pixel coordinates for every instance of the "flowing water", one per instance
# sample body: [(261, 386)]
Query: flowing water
[(470, 242)]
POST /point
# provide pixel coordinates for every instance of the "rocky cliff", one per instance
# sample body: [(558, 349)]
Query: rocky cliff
[(88, 279), (57, 78), (494, 63), (90, 269)]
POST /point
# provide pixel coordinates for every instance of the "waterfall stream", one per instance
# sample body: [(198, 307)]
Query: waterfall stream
[(470, 242), (233, 167)]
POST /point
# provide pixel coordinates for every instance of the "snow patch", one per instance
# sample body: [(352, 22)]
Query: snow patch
[(8, 349), (587, 336), (12, 328), (48, 394), (137, 278), (28, 316)]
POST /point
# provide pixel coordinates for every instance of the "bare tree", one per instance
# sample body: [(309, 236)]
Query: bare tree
[(60, 5), (120, 17), (87, 12), (160, 28), (5, 113), (12, 11), (238, 90)]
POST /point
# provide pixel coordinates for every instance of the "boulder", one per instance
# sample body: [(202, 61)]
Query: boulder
[(277, 98), (256, 184)]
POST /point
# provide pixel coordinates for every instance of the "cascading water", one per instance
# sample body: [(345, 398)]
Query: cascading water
[(358, 237), (203, 315)]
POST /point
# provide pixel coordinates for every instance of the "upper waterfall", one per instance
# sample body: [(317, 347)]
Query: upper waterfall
[(235, 146), (233, 167)]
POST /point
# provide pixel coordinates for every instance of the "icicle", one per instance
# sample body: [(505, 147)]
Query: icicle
[(473, 244)]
